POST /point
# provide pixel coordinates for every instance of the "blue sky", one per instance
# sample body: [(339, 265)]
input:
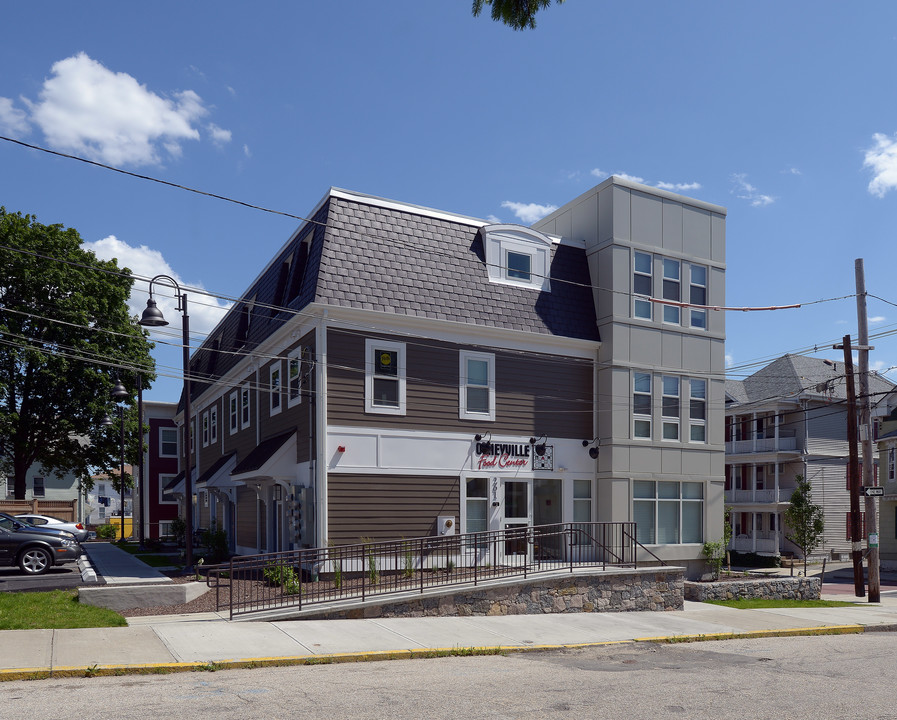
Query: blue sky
[(784, 113)]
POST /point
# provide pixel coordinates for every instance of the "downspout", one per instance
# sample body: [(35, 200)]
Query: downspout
[(320, 467)]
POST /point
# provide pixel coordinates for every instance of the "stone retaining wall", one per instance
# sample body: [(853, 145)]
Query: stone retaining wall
[(607, 591), (770, 588)]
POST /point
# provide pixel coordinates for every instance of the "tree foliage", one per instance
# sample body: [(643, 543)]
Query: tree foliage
[(805, 520), (518, 14), (66, 337)]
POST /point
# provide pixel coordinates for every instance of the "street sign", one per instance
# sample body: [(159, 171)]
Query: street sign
[(873, 491)]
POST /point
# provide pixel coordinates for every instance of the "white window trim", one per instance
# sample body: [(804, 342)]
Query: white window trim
[(176, 442), (234, 412), (691, 284), (245, 418), (399, 348), (294, 356), (671, 420), (638, 297), (276, 390), (695, 422), (213, 425), (649, 418), (205, 429), (678, 280), (499, 239), (164, 479), (463, 412)]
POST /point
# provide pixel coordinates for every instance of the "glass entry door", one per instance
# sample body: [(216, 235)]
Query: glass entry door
[(517, 512)]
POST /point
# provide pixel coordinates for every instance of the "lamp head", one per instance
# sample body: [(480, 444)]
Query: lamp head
[(118, 391), (152, 315), (105, 420)]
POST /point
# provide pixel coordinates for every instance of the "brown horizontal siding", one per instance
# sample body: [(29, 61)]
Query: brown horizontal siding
[(387, 507), (247, 514), (539, 394)]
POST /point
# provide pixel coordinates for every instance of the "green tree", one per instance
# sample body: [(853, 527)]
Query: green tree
[(66, 337), (805, 520), (519, 14)]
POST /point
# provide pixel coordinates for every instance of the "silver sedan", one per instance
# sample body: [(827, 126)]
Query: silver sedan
[(75, 528)]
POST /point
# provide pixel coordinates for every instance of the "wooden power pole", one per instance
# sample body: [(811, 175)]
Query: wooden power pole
[(853, 474), (864, 404)]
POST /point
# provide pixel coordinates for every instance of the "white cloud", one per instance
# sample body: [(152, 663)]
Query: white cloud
[(792, 171), (89, 110), (600, 174), (882, 159), (877, 319), (745, 191), (220, 136), (631, 178), (12, 120), (730, 361), (493, 219), (679, 187), (204, 311), (529, 212), (246, 151)]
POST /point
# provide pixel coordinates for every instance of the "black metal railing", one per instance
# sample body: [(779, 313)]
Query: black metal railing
[(301, 578)]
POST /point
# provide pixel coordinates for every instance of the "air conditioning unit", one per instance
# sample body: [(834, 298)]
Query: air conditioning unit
[(445, 524)]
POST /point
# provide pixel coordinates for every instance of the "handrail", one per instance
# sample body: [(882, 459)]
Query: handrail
[(299, 578)]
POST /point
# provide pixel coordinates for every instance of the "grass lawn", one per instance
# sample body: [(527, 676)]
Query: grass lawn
[(760, 603), (52, 610)]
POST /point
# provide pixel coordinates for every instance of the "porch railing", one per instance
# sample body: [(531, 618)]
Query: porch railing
[(304, 578)]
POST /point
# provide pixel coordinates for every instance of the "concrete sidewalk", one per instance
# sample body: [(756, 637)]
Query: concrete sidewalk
[(183, 642)]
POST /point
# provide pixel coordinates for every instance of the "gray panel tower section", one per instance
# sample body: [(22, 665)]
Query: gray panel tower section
[(615, 220)]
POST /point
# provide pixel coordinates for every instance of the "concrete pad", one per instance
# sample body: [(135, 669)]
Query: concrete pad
[(215, 642), (443, 633), (859, 615), (125, 597), (342, 636), (83, 647), (25, 649)]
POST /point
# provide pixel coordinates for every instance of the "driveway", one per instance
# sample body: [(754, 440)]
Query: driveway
[(56, 578)]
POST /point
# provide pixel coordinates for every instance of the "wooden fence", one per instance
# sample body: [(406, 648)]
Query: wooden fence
[(63, 509)]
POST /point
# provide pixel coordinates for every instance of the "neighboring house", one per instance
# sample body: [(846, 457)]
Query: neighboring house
[(45, 493), (397, 370), (789, 419), (103, 504), (887, 504), (160, 467)]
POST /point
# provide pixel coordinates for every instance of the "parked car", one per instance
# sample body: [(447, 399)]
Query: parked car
[(76, 529), (35, 549)]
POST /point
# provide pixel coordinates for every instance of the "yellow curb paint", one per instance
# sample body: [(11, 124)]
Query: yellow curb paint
[(42, 673)]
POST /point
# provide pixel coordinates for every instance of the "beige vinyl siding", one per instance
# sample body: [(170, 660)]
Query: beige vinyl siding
[(533, 393), (386, 507)]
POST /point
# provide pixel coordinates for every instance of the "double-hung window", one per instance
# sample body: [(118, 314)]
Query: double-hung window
[(519, 266), (294, 377), (670, 407), (477, 386), (671, 290), (274, 387), (245, 408), (205, 429), (213, 424), (641, 404), (39, 487), (668, 513), (642, 285), (234, 412), (168, 442), (697, 295), (384, 377), (697, 411)]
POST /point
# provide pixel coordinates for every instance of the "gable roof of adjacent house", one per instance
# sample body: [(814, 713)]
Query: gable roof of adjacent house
[(792, 377), (369, 253)]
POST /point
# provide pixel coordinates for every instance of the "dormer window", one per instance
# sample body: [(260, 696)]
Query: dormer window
[(517, 255)]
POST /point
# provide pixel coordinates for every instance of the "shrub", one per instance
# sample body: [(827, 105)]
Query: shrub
[(283, 576), (179, 530), (107, 532), (216, 542)]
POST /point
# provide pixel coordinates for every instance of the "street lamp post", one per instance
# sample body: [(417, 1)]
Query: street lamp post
[(118, 394), (152, 317)]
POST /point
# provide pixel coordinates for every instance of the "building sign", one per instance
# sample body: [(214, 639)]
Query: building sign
[(502, 456)]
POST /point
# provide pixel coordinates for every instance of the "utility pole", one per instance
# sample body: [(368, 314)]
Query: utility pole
[(865, 426), (853, 474)]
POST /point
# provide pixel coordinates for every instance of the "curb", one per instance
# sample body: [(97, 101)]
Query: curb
[(43, 673)]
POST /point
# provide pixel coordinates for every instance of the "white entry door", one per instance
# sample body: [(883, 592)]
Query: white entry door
[(517, 510)]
